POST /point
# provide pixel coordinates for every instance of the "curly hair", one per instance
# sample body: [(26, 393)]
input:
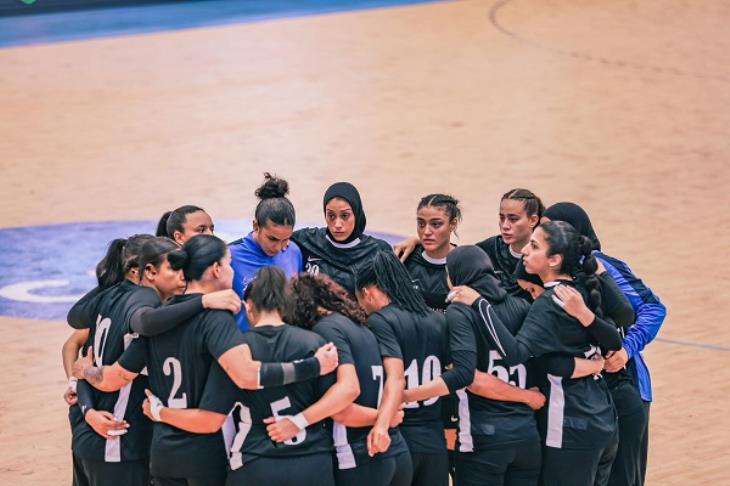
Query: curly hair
[(309, 294)]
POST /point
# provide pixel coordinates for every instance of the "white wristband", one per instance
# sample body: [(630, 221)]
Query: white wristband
[(300, 421), (155, 407), (72, 382)]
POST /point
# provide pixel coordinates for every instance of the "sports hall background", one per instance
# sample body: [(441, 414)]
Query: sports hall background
[(620, 105)]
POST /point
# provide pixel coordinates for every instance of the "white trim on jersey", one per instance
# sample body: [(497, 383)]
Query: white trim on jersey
[(113, 447), (515, 254), (432, 260), (345, 456), (466, 442), (236, 457), (556, 411), (487, 320), (345, 246)]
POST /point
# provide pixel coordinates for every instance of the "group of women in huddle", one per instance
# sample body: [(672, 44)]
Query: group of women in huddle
[(316, 357)]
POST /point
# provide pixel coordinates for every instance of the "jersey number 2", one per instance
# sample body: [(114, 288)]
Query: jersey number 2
[(172, 366)]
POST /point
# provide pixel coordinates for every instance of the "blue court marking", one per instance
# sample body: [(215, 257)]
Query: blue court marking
[(48, 268), (688, 344), (119, 21)]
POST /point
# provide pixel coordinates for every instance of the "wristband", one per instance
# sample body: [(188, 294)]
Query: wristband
[(72, 382), (155, 407), (300, 421)]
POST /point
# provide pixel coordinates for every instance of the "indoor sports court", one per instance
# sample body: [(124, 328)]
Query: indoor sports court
[(112, 114)]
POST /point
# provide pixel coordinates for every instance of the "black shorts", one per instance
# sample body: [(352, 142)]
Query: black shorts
[(577, 467), (99, 473), (430, 469), (213, 480), (311, 470), (515, 465), (392, 471)]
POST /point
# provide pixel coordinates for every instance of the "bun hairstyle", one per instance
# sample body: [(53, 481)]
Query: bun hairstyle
[(196, 255), (154, 251), (387, 273), (531, 203), (175, 220), (578, 259), (448, 203), (273, 204), (308, 294), (267, 290), (120, 258)]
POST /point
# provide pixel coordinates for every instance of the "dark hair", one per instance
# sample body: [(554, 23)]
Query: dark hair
[(196, 255), (154, 252), (267, 290), (310, 293), (274, 205), (175, 220), (531, 203), (120, 258), (578, 260), (387, 273), (444, 201)]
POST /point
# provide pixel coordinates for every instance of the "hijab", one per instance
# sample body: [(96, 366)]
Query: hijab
[(470, 265), (574, 215), (349, 193)]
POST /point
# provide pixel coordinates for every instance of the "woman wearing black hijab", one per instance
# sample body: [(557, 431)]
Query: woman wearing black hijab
[(340, 248), (626, 374), (498, 441)]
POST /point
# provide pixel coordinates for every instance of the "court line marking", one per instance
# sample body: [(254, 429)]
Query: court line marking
[(586, 56), (712, 347)]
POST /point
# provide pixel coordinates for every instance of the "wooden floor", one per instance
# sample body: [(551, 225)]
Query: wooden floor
[(620, 105)]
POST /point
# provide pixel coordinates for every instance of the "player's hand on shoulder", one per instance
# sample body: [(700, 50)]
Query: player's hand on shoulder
[(463, 295), (403, 249), (328, 358), (223, 300)]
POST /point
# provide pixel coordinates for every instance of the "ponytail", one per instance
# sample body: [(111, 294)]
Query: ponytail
[(196, 255), (120, 258), (387, 273), (588, 276), (175, 220), (162, 225)]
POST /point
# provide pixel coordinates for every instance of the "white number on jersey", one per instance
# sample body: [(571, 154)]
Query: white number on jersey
[(100, 335), (172, 366), (279, 406), (430, 371), (378, 376), (515, 375)]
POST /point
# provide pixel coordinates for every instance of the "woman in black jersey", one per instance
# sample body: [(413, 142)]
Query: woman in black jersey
[(319, 304), (437, 217), (632, 414), (185, 222), (413, 343), (340, 248), (179, 361), (303, 458), (580, 425)]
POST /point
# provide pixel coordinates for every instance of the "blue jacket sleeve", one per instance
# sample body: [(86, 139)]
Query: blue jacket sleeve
[(650, 312)]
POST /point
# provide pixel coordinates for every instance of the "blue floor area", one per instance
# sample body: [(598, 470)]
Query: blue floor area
[(109, 22)]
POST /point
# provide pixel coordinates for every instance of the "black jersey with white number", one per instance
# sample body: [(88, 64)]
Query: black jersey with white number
[(505, 263), (429, 277), (107, 315), (579, 413), (485, 423), (421, 342), (179, 362), (357, 346), (246, 435), (339, 261)]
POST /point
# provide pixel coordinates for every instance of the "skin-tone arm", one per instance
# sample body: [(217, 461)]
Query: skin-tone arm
[(587, 367), (193, 420), (355, 415), (336, 399), (69, 354), (378, 439), (489, 386), (106, 378), (403, 249)]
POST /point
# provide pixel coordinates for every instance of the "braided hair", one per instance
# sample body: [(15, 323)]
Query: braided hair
[(578, 260), (531, 203), (309, 293), (387, 273)]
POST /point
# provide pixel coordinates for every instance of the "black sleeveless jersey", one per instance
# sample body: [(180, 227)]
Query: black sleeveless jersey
[(245, 431), (357, 346), (429, 278), (421, 342), (107, 315), (179, 363), (339, 261)]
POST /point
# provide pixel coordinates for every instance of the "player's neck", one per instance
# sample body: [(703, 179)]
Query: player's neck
[(269, 318)]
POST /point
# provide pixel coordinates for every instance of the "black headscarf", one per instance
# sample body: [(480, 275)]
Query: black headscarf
[(349, 193), (521, 274), (470, 265), (574, 215)]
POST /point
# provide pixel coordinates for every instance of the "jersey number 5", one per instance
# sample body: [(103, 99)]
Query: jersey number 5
[(279, 406), (507, 375)]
